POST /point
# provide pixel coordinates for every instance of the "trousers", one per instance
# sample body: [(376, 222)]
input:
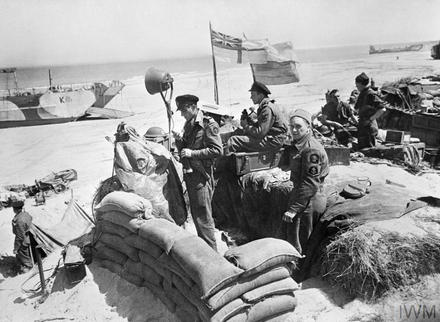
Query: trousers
[(244, 143), (200, 191)]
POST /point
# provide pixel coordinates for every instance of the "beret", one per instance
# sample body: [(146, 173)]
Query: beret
[(362, 79), (303, 114), (17, 203), (260, 88), (187, 98)]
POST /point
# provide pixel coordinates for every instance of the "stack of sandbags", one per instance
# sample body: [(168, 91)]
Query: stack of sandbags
[(264, 291), (252, 283)]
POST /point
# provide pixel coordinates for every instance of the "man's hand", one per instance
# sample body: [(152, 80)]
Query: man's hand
[(15, 251), (186, 153), (177, 135), (288, 216)]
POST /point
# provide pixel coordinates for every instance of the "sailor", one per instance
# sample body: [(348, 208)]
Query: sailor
[(370, 107), (309, 167), (268, 132), (200, 144), (338, 116), (21, 224)]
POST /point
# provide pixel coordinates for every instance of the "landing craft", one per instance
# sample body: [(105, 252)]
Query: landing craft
[(57, 104)]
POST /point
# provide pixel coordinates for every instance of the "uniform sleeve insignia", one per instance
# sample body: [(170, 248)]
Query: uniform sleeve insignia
[(313, 170), (314, 158)]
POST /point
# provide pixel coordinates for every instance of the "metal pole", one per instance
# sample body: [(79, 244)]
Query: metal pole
[(213, 66)]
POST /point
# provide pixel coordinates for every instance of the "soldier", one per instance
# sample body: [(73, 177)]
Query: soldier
[(339, 116), (200, 145), (269, 132), (21, 224), (370, 107), (309, 166)]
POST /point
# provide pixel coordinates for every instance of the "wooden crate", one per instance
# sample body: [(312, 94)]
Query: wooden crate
[(338, 155), (245, 162)]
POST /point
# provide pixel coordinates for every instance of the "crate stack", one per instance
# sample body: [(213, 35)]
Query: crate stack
[(250, 283)]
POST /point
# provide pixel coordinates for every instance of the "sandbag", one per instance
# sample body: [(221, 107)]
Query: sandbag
[(109, 227), (160, 293), (132, 278), (206, 267), (247, 284), (193, 298), (151, 276), (162, 233), (118, 243), (110, 265), (229, 310), (101, 250), (258, 255), (271, 306), (129, 203), (169, 263), (148, 189), (151, 262), (144, 245), (284, 286), (180, 300), (133, 267), (186, 316), (120, 219)]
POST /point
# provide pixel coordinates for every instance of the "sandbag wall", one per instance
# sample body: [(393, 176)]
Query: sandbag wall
[(251, 282)]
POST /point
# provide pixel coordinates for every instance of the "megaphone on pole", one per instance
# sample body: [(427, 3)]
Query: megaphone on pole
[(158, 81)]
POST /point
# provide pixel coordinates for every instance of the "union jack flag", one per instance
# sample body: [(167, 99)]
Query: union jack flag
[(228, 42)]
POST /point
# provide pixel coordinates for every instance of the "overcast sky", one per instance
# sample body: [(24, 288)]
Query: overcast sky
[(54, 32)]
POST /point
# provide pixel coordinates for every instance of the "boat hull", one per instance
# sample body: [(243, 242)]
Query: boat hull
[(21, 123)]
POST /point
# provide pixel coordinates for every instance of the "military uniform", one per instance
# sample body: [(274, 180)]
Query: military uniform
[(367, 104), (339, 112), (309, 167), (201, 135), (21, 224), (268, 133)]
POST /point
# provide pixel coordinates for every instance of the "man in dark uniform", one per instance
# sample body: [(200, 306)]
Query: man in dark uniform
[(370, 107), (338, 116), (269, 132), (199, 145), (21, 224), (309, 167)]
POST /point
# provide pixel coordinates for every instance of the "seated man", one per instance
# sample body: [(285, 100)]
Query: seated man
[(338, 116), (267, 133)]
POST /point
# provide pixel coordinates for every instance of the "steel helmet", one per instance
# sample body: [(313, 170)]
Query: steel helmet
[(155, 134)]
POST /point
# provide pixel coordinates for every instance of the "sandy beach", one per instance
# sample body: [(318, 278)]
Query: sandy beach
[(30, 153)]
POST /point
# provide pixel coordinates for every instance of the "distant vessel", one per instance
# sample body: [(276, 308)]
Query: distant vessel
[(57, 104), (435, 51), (416, 47)]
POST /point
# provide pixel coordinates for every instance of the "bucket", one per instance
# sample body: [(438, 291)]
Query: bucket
[(157, 80)]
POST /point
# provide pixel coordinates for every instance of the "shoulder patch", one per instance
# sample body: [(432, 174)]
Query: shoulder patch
[(215, 129), (313, 170), (314, 158)]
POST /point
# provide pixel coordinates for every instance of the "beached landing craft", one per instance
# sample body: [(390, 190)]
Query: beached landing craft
[(374, 50), (57, 104)]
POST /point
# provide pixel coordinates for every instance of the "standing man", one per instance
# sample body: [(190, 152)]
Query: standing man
[(199, 146), (370, 107), (269, 132), (309, 167), (21, 224), (338, 116)]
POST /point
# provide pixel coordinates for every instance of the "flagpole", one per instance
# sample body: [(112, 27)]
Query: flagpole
[(213, 66)]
